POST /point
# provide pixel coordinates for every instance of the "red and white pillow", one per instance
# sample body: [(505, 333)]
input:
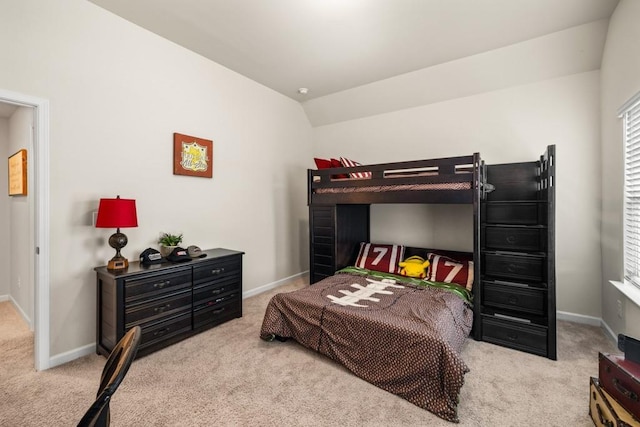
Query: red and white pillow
[(384, 258), (322, 163), (449, 270), (347, 163), (329, 163), (342, 163)]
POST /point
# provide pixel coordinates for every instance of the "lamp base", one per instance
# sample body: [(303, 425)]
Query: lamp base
[(118, 263)]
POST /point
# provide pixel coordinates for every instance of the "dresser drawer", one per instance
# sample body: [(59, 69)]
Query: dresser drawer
[(514, 297), (213, 314), (213, 294), (151, 286), (216, 271), (525, 267), (157, 332), (157, 309), (521, 336), (514, 238), (522, 213)]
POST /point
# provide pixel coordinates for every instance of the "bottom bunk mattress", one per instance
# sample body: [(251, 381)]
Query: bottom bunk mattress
[(400, 334)]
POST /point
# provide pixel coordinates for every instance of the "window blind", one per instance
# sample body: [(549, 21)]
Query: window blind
[(631, 124)]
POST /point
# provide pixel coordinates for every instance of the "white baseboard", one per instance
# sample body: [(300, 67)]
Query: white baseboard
[(579, 318), (609, 332), (68, 356), (4, 298), (588, 320), (271, 285), (21, 313)]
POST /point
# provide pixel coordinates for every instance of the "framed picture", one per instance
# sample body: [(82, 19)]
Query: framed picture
[(192, 156), (18, 174)]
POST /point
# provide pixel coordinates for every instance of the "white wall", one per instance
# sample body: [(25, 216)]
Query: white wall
[(20, 219), (513, 124), (117, 94), (4, 210), (620, 80)]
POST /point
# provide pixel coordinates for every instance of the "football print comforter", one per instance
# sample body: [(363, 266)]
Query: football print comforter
[(402, 335)]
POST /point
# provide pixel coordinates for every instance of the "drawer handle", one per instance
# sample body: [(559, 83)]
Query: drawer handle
[(512, 300), (217, 270), (511, 239), (220, 310), (217, 291), (512, 337), (512, 268), (162, 308), (627, 393), (162, 284), (161, 332)]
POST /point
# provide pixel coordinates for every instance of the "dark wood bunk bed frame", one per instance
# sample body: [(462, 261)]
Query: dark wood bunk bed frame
[(513, 233)]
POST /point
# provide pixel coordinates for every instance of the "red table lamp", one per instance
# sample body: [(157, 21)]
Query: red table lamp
[(117, 213)]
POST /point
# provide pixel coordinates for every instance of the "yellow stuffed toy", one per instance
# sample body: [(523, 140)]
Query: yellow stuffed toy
[(414, 266)]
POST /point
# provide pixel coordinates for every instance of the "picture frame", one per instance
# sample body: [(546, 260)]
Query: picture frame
[(192, 156), (17, 165)]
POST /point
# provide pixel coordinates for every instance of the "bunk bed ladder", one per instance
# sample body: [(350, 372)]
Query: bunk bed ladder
[(517, 297)]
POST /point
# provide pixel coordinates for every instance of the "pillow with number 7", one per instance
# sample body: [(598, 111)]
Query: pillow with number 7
[(377, 257), (449, 270)]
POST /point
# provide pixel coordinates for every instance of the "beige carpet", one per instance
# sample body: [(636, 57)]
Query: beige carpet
[(227, 376)]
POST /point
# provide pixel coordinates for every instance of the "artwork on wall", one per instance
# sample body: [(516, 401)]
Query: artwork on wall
[(192, 156), (18, 174)]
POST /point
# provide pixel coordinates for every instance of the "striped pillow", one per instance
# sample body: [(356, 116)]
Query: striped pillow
[(449, 270), (383, 258), (350, 163)]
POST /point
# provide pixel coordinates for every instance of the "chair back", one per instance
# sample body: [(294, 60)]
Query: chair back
[(98, 414), (113, 373), (120, 360)]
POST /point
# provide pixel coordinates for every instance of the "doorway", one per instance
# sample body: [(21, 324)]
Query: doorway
[(39, 227)]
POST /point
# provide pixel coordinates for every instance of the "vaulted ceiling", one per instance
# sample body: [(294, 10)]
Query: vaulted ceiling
[(329, 46)]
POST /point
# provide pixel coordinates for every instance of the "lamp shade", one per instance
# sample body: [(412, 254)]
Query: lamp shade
[(117, 213)]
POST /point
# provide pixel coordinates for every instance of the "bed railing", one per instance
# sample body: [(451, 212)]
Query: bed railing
[(445, 180)]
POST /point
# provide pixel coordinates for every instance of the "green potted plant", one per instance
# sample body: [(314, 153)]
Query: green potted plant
[(168, 242)]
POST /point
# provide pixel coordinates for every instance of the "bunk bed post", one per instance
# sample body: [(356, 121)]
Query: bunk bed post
[(478, 180), (309, 181), (548, 191)]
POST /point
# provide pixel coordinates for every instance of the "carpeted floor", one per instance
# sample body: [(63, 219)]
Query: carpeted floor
[(227, 376)]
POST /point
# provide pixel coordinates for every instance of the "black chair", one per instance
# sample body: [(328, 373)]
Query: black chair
[(113, 373)]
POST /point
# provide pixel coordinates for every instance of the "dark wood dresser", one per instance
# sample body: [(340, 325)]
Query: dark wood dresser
[(518, 300), (169, 301)]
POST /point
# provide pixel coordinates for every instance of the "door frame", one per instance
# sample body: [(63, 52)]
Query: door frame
[(40, 226)]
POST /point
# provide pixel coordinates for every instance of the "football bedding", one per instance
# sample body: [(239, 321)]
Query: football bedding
[(403, 335)]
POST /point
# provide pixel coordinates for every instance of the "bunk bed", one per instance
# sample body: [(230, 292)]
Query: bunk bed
[(339, 202), (339, 207)]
